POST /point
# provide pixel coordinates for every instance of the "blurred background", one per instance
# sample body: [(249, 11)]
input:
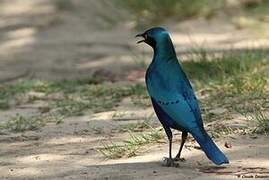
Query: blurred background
[(72, 91), (65, 39)]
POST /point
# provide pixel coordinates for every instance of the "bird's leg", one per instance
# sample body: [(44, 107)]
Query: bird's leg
[(183, 140), (170, 148), (169, 162)]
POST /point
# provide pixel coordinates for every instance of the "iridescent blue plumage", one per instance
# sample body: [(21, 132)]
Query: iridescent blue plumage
[(172, 96)]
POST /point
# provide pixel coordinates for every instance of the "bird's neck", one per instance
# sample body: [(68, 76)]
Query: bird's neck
[(164, 50)]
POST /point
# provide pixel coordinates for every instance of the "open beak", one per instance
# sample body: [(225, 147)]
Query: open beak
[(141, 35)]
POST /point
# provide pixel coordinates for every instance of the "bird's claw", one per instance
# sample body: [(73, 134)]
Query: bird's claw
[(169, 162)]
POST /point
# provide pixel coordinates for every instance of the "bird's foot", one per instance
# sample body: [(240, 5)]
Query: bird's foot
[(179, 159), (169, 162)]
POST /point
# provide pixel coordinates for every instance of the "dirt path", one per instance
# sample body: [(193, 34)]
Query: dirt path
[(69, 151)]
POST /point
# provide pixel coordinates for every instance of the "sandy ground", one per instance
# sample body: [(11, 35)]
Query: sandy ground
[(37, 40), (69, 151)]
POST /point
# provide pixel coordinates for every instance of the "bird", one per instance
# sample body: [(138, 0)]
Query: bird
[(173, 98)]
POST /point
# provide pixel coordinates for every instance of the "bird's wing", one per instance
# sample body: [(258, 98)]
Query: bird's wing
[(164, 118), (191, 100), (183, 109), (175, 96)]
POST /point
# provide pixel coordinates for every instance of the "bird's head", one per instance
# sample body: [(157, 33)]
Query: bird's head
[(153, 36)]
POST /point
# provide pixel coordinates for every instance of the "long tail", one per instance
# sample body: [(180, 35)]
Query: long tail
[(210, 148)]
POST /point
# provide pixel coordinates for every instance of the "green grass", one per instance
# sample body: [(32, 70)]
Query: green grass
[(8, 92), (139, 126), (206, 70), (252, 15), (220, 130), (131, 146), (141, 134), (153, 11), (20, 123), (4, 104), (79, 95), (14, 91), (261, 119), (99, 97), (234, 81), (97, 130), (248, 83), (258, 9), (135, 127), (230, 81), (64, 5)]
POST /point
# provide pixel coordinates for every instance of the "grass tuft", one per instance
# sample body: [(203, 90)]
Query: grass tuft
[(262, 120), (64, 5), (20, 123), (130, 147), (98, 98), (248, 83), (154, 11), (205, 69)]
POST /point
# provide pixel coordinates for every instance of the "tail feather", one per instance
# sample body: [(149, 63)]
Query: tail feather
[(211, 150)]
